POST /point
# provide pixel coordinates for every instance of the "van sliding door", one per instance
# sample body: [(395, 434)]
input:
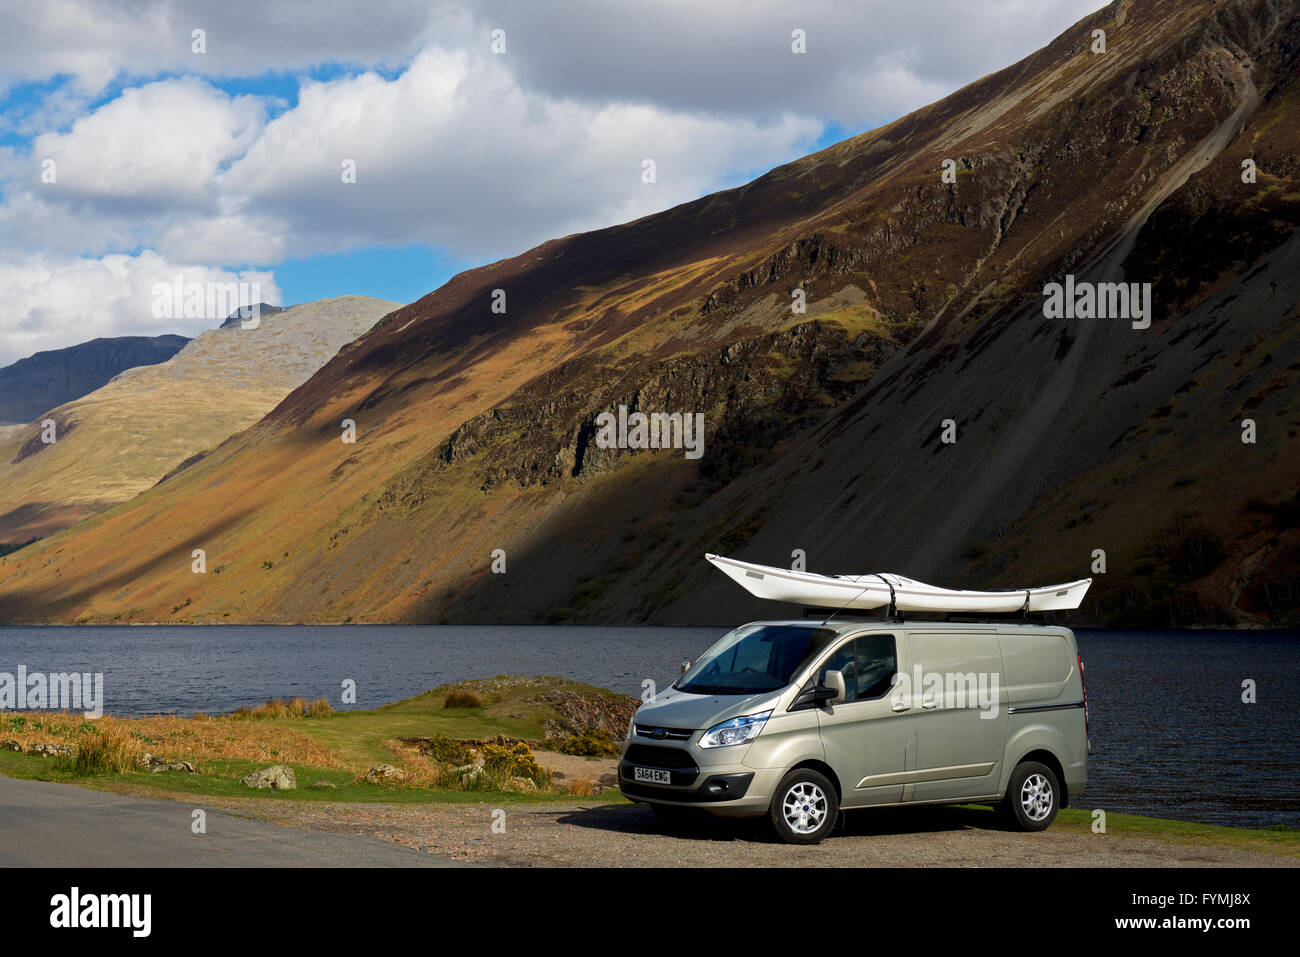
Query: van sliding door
[(961, 724)]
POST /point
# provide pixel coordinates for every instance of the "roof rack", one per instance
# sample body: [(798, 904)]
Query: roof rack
[(831, 614)]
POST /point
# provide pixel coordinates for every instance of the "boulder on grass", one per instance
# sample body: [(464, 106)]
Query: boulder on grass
[(11, 745), (49, 750), (173, 766), (468, 775), (385, 774), (278, 777), (156, 765)]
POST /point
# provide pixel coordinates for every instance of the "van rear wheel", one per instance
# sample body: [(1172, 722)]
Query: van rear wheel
[(804, 807), (1033, 796)]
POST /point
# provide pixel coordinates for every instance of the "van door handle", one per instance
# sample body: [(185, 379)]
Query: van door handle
[(929, 704), (900, 706)]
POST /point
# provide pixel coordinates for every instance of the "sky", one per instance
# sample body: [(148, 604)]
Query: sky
[(314, 148)]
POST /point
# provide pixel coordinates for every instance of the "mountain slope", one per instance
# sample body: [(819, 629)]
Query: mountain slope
[(30, 386), (476, 430), (122, 438)]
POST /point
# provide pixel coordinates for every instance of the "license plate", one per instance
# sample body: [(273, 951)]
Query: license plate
[(653, 775)]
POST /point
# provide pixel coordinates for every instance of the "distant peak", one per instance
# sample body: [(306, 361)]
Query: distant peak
[(244, 313)]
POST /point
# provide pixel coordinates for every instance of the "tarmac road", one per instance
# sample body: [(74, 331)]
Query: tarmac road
[(61, 825)]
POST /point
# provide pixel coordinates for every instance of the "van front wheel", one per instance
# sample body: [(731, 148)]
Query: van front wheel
[(804, 807), (1033, 795)]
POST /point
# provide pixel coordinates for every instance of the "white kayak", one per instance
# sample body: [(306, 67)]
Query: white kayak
[(878, 590)]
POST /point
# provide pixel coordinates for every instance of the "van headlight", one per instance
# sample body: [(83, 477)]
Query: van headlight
[(740, 730), (631, 729)]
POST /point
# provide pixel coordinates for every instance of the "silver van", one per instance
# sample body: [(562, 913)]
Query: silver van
[(799, 720)]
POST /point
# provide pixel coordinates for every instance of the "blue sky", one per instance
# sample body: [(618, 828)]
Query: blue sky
[(402, 274)]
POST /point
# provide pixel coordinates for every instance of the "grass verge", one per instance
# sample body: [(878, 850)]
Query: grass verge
[(338, 748)]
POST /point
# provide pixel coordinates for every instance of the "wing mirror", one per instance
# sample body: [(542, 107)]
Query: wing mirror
[(686, 666), (814, 695), (835, 682)]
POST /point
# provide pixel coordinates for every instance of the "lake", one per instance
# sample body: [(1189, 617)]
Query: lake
[(1170, 734)]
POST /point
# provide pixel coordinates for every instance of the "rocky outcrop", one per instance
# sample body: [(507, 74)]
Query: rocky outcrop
[(246, 314), (385, 774), (156, 765), (46, 750), (278, 777), (581, 712), (752, 393)]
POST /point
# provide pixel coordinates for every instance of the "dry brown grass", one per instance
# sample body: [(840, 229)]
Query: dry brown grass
[(463, 699), (279, 708), (272, 709), (111, 750), (174, 738), (424, 772), (113, 745), (421, 770), (582, 787)]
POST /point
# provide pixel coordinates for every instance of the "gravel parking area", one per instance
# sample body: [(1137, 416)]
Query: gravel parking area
[(622, 835)]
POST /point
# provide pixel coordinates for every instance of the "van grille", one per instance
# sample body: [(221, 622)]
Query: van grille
[(670, 734), (650, 756)]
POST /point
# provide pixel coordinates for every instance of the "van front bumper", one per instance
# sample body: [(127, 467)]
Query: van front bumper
[(715, 787), (729, 790)]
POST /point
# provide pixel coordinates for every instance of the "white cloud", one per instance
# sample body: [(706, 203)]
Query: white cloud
[(52, 302), (158, 146), (864, 60), (142, 170), (234, 238), (95, 41), (453, 152), (723, 56)]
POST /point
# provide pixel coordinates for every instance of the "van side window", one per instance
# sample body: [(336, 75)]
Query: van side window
[(843, 660), (876, 661)]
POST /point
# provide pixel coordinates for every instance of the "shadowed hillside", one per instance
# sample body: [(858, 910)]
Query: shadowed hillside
[(30, 386), (824, 429)]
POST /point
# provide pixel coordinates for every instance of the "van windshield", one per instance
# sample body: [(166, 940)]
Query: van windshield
[(754, 659)]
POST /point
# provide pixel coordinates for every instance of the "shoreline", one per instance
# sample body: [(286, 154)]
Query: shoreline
[(332, 753)]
